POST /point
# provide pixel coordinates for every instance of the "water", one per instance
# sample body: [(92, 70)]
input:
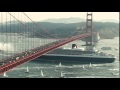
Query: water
[(49, 70)]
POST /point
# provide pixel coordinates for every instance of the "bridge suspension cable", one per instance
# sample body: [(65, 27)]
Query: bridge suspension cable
[(76, 32), (37, 52), (29, 28), (40, 26), (29, 53)]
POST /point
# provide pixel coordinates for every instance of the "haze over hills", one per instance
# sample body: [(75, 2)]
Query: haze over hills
[(108, 20), (107, 30), (68, 20), (65, 20), (76, 20)]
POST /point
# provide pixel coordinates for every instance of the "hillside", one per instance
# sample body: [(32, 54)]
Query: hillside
[(65, 20), (76, 20), (106, 30)]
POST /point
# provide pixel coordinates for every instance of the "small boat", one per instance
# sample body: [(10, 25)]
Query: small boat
[(42, 73), (90, 65), (83, 67), (60, 64), (27, 70), (5, 75), (62, 75)]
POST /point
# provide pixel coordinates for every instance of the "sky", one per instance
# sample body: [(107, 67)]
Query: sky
[(96, 15), (39, 16)]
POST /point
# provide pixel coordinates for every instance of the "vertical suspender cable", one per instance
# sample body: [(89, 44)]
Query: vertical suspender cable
[(9, 28), (28, 36), (1, 34), (6, 45), (14, 34)]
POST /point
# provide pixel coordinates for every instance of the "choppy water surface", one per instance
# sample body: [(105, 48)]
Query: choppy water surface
[(12, 45)]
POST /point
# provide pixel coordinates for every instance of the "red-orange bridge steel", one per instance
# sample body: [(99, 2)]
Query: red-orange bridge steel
[(37, 53)]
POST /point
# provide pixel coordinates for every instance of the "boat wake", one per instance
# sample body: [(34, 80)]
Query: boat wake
[(113, 69)]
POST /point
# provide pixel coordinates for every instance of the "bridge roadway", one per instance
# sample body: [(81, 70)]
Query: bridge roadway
[(26, 56)]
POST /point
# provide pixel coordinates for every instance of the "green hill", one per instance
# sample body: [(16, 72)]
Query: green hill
[(107, 30)]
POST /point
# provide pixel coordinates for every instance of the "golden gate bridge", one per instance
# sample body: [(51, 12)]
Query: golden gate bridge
[(25, 56)]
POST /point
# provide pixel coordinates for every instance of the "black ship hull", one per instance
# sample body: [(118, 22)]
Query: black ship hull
[(74, 59)]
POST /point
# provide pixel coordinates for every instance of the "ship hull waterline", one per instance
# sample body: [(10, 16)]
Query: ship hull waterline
[(74, 59)]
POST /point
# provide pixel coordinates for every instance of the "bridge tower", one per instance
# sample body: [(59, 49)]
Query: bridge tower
[(89, 28)]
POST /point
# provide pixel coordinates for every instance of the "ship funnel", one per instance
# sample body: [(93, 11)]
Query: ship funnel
[(74, 46)]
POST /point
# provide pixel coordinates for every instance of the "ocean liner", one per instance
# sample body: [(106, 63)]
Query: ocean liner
[(88, 55), (77, 55)]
